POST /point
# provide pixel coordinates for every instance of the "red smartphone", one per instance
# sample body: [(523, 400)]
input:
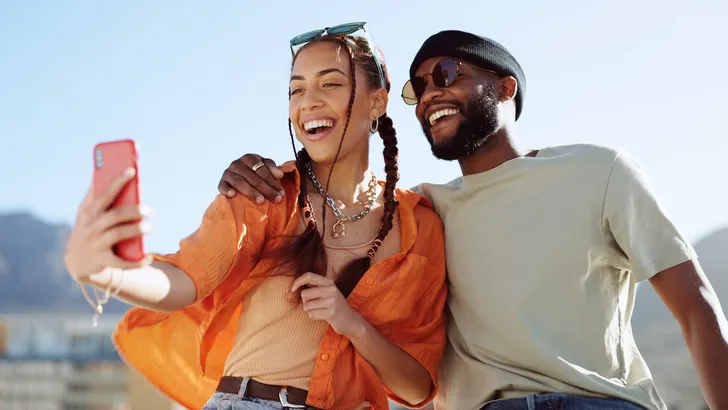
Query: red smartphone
[(110, 160)]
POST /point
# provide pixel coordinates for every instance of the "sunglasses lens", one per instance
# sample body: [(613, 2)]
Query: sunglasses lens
[(305, 37), (408, 94), (345, 29), (445, 73)]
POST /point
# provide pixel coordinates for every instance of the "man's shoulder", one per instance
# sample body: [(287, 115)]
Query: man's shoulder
[(434, 193), (592, 152), (589, 160), (426, 188)]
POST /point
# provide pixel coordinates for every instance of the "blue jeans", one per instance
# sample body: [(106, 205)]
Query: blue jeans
[(228, 401), (558, 401)]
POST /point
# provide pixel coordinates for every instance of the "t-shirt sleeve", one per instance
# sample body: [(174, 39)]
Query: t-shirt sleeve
[(637, 224), (418, 189)]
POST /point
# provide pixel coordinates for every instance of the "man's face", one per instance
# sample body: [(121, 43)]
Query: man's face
[(460, 118)]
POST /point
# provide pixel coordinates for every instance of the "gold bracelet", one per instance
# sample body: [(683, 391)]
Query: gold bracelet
[(86, 296), (99, 310), (98, 305), (118, 287)]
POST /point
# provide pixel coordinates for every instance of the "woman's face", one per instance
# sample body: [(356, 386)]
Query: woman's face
[(320, 90)]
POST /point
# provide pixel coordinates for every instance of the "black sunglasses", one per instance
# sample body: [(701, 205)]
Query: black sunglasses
[(443, 75)]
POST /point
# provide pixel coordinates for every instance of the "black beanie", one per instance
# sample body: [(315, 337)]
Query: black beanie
[(480, 51)]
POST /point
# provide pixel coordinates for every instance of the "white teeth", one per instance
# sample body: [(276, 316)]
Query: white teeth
[(309, 125), (441, 113)]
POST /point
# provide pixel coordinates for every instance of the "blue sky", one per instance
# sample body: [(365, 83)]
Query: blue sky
[(198, 84)]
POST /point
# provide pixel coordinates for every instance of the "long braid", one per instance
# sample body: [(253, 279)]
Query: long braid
[(302, 160), (305, 253), (352, 273), (391, 168)]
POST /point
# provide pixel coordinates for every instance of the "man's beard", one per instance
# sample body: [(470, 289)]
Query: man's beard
[(480, 123)]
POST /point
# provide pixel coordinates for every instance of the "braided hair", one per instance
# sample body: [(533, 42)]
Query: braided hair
[(306, 252)]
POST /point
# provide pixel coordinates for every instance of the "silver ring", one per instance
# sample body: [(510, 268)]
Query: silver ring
[(257, 166)]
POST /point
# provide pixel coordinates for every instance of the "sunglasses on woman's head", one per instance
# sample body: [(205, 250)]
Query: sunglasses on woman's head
[(443, 75), (340, 30)]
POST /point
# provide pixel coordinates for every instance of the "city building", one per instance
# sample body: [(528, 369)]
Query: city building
[(61, 362), (54, 361)]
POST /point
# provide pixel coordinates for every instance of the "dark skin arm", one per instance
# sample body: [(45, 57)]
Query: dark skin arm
[(261, 185), (687, 293)]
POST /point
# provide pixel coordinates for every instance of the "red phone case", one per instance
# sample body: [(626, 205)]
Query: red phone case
[(110, 161)]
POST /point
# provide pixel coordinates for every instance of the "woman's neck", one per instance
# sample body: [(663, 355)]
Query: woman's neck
[(349, 183)]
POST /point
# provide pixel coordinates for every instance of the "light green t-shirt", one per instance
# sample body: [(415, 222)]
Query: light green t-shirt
[(544, 255)]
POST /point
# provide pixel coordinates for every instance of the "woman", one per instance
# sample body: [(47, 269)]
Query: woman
[(264, 305)]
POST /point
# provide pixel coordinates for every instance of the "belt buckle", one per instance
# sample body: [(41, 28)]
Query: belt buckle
[(283, 398)]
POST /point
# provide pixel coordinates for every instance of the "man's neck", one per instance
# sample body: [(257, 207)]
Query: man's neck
[(500, 148)]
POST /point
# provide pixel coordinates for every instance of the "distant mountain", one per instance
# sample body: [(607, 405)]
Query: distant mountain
[(659, 337), (32, 273)]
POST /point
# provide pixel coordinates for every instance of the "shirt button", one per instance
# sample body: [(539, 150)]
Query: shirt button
[(370, 281), (325, 356)]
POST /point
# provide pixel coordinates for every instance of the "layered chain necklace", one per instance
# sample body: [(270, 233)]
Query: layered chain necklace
[(339, 229)]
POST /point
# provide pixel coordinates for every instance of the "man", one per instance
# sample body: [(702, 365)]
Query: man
[(544, 249)]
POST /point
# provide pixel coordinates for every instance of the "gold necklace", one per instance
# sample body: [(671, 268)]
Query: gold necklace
[(339, 229)]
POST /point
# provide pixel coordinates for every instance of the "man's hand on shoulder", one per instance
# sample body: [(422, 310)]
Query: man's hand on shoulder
[(254, 177)]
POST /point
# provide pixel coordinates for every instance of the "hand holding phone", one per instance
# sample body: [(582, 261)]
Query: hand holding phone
[(111, 160), (110, 221)]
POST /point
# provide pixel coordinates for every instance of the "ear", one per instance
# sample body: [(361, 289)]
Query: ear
[(378, 103), (508, 88)]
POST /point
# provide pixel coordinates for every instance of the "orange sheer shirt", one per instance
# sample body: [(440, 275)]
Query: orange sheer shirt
[(183, 353)]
